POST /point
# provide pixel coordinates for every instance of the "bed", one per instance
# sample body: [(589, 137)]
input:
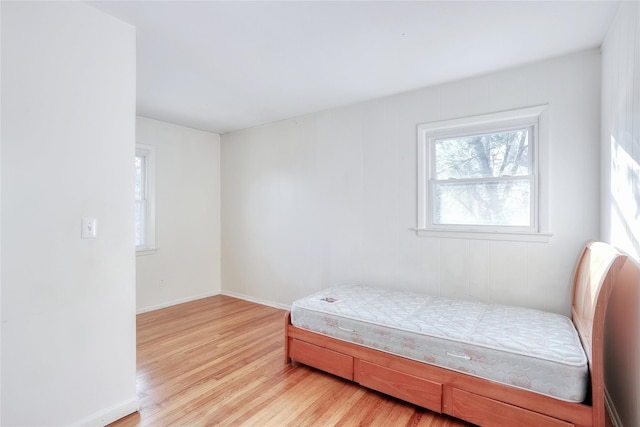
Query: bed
[(488, 364)]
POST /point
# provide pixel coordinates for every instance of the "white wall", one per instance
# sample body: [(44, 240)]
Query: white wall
[(621, 131), (186, 265), (0, 217), (68, 126), (621, 205), (330, 197)]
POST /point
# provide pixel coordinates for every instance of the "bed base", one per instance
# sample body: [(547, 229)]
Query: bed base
[(479, 401), (438, 389)]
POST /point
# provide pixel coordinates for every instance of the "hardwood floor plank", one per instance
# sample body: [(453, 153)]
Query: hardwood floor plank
[(218, 362)]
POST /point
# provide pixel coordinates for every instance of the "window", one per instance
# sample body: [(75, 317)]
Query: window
[(145, 197), (479, 177)]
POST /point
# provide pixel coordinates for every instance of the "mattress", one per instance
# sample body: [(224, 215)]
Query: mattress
[(525, 348)]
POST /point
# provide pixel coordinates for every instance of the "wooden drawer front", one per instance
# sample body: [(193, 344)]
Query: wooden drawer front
[(324, 359), (419, 391), (487, 412)]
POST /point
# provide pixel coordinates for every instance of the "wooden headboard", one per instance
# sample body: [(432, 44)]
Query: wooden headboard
[(595, 275)]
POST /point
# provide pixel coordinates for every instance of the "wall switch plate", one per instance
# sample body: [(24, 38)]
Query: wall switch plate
[(89, 230)]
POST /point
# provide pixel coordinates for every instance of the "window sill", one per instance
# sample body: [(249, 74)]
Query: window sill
[(146, 251), (485, 235)]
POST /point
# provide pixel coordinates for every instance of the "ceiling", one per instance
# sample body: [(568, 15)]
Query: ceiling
[(226, 65)]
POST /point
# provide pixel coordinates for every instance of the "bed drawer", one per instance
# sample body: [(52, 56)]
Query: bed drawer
[(419, 391), (321, 358), (487, 412)]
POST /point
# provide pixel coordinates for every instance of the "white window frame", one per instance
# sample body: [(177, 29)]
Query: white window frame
[(148, 152), (534, 118)]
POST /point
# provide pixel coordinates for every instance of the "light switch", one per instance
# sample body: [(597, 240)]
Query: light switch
[(89, 228)]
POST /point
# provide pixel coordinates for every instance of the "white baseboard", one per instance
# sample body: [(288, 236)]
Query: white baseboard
[(211, 294), (611, 408), (176, 302), (109, 415), (256, 300)]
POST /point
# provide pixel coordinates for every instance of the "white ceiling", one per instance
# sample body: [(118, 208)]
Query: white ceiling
[(226, 65)]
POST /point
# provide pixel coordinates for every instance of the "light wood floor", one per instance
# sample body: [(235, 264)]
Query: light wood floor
[(219, 361)]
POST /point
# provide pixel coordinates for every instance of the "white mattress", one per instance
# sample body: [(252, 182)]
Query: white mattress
[(525, 348)]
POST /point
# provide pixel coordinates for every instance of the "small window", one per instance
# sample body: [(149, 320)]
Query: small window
[(145, 197), (481, 174)]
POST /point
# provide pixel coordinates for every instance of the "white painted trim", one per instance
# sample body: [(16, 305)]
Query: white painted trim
[(109, 415), (485, 235), (536, 118), (256, 300), (176, 302), (611, 408), (451, 126)]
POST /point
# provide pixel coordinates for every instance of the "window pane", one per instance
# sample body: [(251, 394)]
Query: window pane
[(140, 222), (139, 186), (483, 156), (483, 203)]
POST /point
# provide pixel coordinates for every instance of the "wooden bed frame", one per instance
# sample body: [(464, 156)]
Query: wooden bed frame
[(479, 401)]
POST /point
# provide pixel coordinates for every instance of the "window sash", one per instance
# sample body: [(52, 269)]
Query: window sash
[(141, 223), (141, 176), (530, 135), (432, 220), (144, 198), (473, 219), (141, 198)]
